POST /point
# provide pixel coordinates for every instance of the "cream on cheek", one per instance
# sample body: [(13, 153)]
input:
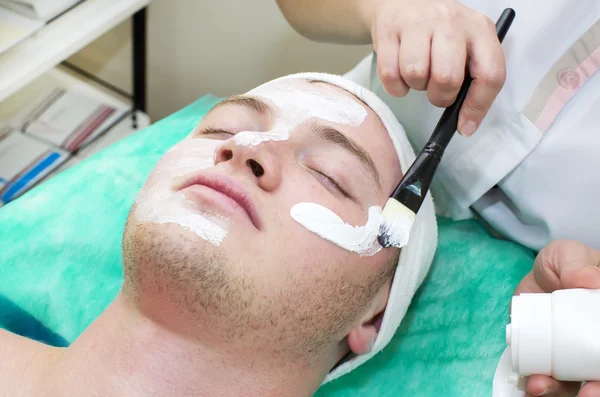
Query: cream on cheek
[(325, 223), (159, 203)]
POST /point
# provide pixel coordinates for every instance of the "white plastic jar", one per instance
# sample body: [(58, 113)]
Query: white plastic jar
[(556, 334)]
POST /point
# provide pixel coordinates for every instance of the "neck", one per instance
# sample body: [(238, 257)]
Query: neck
[(123, 353)]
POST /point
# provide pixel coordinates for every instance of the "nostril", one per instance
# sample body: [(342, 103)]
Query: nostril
[(227, 155), (256, 168)]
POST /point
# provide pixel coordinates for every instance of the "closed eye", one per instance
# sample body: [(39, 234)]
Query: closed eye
[(332, 181), (216, 133)]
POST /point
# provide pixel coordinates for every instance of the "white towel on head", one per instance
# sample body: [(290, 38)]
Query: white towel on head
[(416, 257)]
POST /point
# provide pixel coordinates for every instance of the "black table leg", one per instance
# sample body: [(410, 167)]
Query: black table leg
[(139, 63)]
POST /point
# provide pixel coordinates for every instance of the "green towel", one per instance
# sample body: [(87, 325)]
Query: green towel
[(61, 264), (453, 335)]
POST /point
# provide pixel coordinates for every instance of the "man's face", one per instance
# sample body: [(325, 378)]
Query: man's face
[(210, 246)]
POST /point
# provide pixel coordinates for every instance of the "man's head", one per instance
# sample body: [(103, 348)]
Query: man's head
[(211, 250)]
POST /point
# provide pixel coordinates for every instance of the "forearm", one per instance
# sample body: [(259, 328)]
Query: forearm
[(338, 21)]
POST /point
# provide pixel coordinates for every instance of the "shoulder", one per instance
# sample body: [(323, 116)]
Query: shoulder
[(22, 362)]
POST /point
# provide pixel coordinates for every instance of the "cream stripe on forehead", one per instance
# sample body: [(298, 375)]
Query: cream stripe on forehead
[(321, 101), (297, 101)]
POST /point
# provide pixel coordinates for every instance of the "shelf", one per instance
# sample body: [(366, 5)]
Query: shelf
[(63, 78), (57, 77), (120, 130), (60, 39)]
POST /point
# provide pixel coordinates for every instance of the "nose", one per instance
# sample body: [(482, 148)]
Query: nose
[(258, 162)]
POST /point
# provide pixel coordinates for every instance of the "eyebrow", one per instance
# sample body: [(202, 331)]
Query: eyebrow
[(251, 103), (332, 135)]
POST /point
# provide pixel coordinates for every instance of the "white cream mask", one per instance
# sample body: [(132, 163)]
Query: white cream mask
[(157, 202), (298, 101), (325, 223)]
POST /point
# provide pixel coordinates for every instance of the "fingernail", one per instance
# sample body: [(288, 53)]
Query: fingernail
[(468, 128), (394, 89), (544, 393), (596, 268), (387, 89)]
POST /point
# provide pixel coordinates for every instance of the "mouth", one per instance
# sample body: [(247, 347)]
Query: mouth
[(229, 194)]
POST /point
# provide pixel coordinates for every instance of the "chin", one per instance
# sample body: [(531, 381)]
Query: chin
[(181, 280)]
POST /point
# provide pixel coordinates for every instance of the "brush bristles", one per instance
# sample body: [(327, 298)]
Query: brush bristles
[(397, 223)]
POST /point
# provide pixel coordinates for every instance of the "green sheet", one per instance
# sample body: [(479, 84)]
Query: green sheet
[(61, 266)]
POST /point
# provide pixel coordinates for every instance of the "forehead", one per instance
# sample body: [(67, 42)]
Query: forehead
[(336, 106)]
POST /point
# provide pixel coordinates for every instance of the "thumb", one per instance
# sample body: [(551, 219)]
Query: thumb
[(587, 277), (567, 264)]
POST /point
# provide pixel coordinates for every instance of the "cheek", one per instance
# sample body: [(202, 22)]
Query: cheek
[(290, 230), (300, 258), (292, 236), (189, 155), (314, 264), (304, 187)]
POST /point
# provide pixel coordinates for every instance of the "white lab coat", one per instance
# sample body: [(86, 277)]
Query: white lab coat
[(532, 170)]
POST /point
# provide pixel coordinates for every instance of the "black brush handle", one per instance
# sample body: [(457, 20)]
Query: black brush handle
[(411, 191)]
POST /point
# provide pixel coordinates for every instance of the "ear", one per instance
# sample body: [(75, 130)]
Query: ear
[(362, 337)]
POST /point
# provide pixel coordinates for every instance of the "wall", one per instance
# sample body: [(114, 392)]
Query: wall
[(222, 47)]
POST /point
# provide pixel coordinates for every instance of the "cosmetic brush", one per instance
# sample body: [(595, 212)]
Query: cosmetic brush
[(401, 208)]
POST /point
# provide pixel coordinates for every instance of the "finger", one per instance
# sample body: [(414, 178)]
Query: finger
[(414, 58), (528, 285), (591, 389), (448, 59), (488, 70), (587, 277), (563, 258), (388, 70), (540, 385)]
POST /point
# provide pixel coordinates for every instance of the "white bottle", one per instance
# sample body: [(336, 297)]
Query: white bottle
[(556, 334)]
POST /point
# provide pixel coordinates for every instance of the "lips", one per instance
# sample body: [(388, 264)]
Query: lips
[(228, 187)]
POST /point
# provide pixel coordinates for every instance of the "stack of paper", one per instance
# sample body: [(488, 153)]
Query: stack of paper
[(47, 132), (15, 28), (23, 162), (67, 119), (43, 10), (20, 19)]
